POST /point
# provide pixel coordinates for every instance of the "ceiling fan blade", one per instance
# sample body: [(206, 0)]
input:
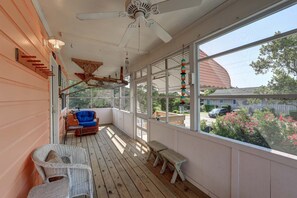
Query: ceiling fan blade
[(173, 5), (132, 27), (158, 30), (100, 15)]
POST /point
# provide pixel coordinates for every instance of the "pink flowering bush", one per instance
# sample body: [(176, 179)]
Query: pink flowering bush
[(263, 128), (293, 138)]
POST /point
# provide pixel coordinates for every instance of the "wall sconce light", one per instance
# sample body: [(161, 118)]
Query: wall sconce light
[(56, 44)]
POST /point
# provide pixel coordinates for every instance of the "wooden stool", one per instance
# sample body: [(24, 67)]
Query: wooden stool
[(176, 160), (155, 147), (56, 189)]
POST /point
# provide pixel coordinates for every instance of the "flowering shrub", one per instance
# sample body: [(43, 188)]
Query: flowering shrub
[(203, 125), (263, 128)]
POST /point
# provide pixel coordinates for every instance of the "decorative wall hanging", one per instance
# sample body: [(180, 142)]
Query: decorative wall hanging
[(183, 80), (91, 80)]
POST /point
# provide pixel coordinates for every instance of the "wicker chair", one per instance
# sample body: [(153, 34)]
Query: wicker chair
[(56, 189), (78, 171)]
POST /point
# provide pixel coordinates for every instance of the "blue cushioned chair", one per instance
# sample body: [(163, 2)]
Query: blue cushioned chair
[(88, 120)]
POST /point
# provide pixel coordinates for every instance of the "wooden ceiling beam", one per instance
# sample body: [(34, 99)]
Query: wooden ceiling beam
[(113, 80)]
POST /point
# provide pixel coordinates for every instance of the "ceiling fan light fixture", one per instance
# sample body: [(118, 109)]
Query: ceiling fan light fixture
[(138, 10)]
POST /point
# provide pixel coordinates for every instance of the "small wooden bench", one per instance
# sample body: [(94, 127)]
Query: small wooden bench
[(176, 160), (155, 148)]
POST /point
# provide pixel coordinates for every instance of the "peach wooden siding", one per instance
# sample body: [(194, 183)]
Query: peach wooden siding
[(24, 98)]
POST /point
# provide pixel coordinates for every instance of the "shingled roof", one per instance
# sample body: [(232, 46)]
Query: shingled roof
[(212, 74)]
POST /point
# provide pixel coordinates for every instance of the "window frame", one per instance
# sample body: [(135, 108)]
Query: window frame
[(91, 98), (234, 27), (166, 71)]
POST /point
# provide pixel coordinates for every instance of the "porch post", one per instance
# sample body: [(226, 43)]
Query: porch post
[(167, 90), (149, 91), (194, 89), (132, 91), (133, 102), (120, 98), (113, 98), (149, 96)]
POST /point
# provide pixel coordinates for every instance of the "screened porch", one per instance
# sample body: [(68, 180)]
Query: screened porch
[(214, 82)]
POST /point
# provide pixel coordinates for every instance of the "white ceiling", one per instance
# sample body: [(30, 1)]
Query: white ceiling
[(98, 40)]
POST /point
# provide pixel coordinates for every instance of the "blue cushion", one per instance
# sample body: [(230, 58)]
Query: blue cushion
[(85, 116), (88, 124)]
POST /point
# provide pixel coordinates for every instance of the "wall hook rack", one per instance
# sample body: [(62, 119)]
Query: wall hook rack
[(32, 63)]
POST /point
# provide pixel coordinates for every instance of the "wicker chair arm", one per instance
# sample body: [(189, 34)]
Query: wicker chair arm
[(63, 165)]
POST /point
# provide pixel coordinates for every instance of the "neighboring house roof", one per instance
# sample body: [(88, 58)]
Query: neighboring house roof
[(212, 74), (235, 91)]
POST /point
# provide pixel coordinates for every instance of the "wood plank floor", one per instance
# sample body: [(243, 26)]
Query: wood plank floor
[(120, 168)]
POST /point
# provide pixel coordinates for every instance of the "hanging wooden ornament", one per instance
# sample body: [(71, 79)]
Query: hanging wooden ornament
[(183, 84)]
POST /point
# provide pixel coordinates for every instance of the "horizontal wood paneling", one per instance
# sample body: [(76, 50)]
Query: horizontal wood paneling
[(14, 25), (34, 25), (20, 92), (20, 183), (27, 77), (14, 157), (12, 130), (24, 98)]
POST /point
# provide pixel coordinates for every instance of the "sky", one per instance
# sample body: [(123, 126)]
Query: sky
[(238, 64)]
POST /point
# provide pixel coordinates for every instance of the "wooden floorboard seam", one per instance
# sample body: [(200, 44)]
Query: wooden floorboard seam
[(98, 178), (127, 181), (121, 188), (108, 182), (142, 188), (147, 174)]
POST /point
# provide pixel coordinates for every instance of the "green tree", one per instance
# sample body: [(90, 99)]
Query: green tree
[(79, 96), (207, 92), (280, 57), (142, 99)]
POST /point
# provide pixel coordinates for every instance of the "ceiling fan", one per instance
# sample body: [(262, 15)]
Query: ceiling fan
[(140, 10)]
